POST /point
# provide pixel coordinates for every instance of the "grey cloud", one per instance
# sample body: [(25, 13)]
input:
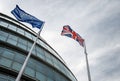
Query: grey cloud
[(105, 32), (107, 66)]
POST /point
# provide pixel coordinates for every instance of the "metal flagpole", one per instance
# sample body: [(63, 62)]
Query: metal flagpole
[(87, 64), (28, 56)]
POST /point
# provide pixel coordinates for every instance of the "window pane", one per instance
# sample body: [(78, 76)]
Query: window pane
[(8, 54), (28, 35), (40, 67), (41, 77), (55, 62), (42, 43), (57, 77), (17, 66), (21, 31), (29, 47), (19, 58), (12, 27), (22, 46), (3, 38), (11, 79), (34, 51), (33, 37), (3, 35), (23, 41), (4, 24), (50, 72), (3, 76), (48, 57), (30, 44), (1, 79), (13, 42), (14, 37), (40, 53), (49, 79), (32, 63), (30, 71), (5, 62), (1, 50)]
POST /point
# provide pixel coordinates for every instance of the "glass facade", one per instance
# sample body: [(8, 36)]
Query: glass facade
[(15, 42)]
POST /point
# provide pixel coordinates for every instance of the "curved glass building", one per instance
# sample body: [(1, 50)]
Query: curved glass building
[(45, 64)]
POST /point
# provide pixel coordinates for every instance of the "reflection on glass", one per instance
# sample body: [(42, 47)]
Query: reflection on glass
[(30, 71), (16, 66), (21, 31), (5, 62), (12, 27), (4, 24)]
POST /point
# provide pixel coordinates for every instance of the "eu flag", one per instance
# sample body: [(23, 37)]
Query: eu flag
[(25, 17)]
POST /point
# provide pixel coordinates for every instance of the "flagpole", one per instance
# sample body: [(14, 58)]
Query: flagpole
[(87, 64), (28, 56)]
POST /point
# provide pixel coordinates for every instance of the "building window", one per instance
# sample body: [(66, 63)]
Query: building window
[(22, 43), (28, 35), (16, 66), (34, 50), (40, 53), (33, 37), (50, 72), (32, 63), (8, 54), (21, 31), (12, 39), (41, 43), (12, 27), (19, 58), (48, 79), (40, 76), (5, 62), (3, 35), (4, 24), (40, 67), (1, 50), (48, 58), (30, 71)]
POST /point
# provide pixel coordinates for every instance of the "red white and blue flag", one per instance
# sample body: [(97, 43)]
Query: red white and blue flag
[(67, 31)]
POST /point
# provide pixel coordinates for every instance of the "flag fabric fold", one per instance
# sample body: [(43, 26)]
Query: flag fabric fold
[(25, 17), (67, 31)]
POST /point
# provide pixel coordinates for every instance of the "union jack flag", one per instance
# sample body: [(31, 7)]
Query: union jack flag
[(67, 31)]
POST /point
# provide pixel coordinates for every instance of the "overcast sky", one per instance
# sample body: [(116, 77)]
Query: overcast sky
[(97, 21)]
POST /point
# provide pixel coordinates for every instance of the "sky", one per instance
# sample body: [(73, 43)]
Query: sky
[(97, 21)]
